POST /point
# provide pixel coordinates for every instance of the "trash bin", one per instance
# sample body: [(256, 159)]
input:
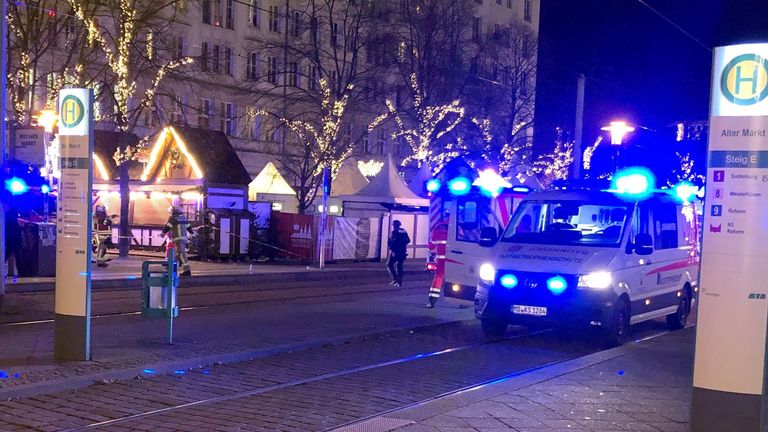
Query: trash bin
[(160, 282)]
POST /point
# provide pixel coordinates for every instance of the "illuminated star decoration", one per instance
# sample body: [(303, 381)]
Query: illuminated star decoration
[(491, 182)]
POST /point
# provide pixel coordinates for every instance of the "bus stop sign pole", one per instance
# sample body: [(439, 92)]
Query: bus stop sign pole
[(729, 372)]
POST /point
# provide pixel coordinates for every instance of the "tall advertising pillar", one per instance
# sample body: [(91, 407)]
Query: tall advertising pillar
[(729, 374), (72, 329)]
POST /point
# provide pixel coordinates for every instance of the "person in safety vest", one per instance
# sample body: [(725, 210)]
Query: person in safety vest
[(178, 227), (398, 243), (101, 234), (438, 244)]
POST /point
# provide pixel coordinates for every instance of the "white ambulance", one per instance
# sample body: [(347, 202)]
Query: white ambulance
[(591, 259)]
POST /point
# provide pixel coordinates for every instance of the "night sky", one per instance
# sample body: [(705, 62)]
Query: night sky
[(638, 67)]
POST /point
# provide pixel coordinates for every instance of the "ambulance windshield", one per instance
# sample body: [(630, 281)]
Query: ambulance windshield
[(568, 222)]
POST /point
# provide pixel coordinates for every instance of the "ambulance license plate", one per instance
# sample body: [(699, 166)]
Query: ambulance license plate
[(529, 310)]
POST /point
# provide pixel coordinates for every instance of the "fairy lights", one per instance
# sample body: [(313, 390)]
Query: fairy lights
[(370, 168), (427, 119)]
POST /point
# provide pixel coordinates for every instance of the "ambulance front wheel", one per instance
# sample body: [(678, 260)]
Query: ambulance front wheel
[(493, 328), (617, 331), (679, 319)]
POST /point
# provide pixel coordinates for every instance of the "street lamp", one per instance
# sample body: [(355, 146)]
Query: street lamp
[(47, 119), (618, 129)]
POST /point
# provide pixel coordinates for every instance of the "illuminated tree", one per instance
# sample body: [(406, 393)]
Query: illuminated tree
[(556, 165), (46, 50), (324, 86), (129, 35)]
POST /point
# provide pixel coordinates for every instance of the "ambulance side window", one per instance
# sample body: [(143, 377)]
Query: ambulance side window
[(641, 222), (472, 215), (665, 226)]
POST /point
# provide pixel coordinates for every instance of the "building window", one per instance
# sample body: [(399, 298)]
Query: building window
[(216, 6), (293, 77), (252, 71), (216, 59), (476, 28), (313, 77), (382, 142), (274, 19), (527, 11), (509, 4), (335, 34), (296, 24), (204, 114), (206, 11), (255, 15), (228, 118), (498, 2), (365, 143), (254, 124), (228, 61), (178, 47), (150, 117), (204, 57), (230, 14), (313, 28), (272, 69), (177, 114)]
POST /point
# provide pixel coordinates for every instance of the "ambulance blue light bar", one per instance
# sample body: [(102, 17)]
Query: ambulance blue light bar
[(460, 186), (635, 182), (433, 185)]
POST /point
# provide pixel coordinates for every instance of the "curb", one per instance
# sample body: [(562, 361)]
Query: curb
[(135, 282), (168, 367), (411, 415)]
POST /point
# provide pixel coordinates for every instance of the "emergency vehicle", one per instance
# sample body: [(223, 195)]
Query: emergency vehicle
[(586, 258), (467, 201)]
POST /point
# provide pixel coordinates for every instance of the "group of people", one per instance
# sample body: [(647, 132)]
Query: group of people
[(398, 242), (177, 226)]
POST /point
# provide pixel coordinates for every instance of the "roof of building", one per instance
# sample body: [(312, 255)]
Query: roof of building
[(387, 187), (349, 180), (215, 155), (269, 181)]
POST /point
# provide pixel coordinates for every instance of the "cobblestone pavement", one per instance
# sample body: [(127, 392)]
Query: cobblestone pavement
[(646, 387), (284, 391)]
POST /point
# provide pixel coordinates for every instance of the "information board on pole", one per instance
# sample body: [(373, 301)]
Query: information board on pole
[(73, 244), (729, 369)]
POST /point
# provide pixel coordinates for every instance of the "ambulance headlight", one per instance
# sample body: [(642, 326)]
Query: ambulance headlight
[(596, 280), (487, 272)]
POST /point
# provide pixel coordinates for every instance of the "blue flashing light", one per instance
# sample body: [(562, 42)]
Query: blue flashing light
[(508, 281), (522, 189), (3, 374), (433, 185), (459, 186), (149, 371), (635, 182), (206, 372), (179, 372), (45, 189), (16, 375), (685, 191), (16, 186), (557, 284)]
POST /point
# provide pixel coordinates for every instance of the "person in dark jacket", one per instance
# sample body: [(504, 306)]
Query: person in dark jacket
[(398, 241)]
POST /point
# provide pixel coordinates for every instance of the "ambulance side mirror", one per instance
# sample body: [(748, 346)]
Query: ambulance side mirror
[(488, 236), (643, 244)]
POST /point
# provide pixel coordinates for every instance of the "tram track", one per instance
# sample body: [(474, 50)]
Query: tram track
[(347, 291), (406, 369)]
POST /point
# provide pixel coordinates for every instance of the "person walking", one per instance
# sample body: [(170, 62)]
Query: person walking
[(179, 228), (398, 241), (102, 234), (438, 243)]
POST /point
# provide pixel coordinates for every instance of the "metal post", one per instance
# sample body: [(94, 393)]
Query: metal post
[(3, 128), (169, 292), (324, 214), (578, 130)]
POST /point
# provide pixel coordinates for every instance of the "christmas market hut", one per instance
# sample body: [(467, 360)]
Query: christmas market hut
[(270, 186), (195, 170)]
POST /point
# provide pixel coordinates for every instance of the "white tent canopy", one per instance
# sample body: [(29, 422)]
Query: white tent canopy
[(387, 188), (349, 180), (269, 181)]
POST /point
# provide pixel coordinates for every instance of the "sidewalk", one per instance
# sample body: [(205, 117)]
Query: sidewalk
[(645, 386), (126, 273)]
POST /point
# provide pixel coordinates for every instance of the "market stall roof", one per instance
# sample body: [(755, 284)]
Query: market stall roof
[(105, 144), (387, 187), (208, 153), (349, 180), (269, 181)]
